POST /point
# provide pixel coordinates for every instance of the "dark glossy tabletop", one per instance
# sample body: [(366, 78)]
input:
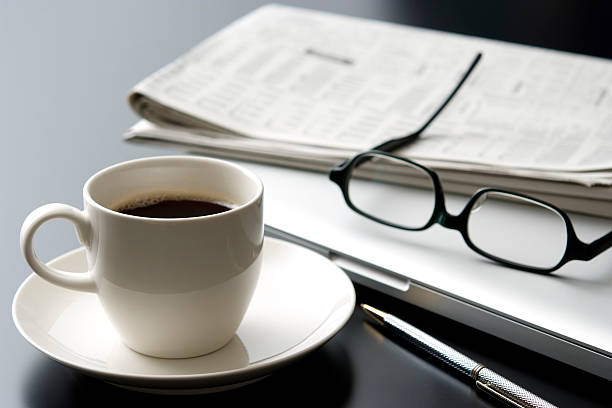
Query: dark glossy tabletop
[(65, 71)]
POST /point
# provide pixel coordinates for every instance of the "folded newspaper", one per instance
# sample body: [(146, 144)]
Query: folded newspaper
[(303, 88)]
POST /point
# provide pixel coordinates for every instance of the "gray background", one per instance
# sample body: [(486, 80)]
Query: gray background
[(65, 70)]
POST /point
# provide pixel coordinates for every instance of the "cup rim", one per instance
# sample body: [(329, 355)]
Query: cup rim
[(89, 199)]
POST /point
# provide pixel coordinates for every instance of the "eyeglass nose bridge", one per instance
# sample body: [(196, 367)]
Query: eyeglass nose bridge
[(338, 173), (450, 221)]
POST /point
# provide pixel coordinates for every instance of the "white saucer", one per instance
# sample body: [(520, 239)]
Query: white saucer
[(301, 301)]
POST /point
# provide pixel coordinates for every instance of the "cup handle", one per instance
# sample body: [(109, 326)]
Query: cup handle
[(78, 281)]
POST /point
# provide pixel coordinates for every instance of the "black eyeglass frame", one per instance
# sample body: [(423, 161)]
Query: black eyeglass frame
[(575, 249)]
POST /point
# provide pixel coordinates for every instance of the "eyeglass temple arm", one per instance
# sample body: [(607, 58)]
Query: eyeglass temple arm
[(598, 246), (393, 144)]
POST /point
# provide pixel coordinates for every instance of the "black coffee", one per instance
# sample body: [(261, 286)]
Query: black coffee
[(172, 208)]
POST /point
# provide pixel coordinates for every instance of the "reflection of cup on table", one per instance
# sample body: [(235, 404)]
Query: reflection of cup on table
[(172, 287)]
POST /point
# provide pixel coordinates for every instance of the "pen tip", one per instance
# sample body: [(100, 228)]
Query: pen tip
[(377, 315)]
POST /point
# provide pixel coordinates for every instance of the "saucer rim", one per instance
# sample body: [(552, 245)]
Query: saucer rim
[(250, 371)]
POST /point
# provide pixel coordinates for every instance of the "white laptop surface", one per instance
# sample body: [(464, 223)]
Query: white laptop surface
[(566, 316)]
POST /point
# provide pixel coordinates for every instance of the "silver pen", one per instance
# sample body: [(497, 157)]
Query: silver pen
[(486, 380)]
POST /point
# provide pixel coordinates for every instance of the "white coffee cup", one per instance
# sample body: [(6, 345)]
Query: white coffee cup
[(172, 287)]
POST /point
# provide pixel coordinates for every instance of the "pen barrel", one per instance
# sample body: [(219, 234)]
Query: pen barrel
[(486, 380), (435, 348), (514, 395)]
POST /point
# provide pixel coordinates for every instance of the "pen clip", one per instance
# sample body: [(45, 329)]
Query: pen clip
[(487, 389)]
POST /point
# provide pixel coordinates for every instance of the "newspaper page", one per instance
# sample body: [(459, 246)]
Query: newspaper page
[(310, 79)]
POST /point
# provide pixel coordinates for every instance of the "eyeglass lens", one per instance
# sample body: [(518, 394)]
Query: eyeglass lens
[(377, 187), (509, 227)]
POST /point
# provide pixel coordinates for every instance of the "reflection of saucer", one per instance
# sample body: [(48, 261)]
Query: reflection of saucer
[(301, 301)]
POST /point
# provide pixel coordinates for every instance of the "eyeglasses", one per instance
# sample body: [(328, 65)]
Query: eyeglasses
[(380, 186)]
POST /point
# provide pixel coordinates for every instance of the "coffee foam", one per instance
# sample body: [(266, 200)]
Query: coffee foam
[(157, 197)]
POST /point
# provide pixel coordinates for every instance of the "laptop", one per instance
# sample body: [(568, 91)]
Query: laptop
[(565, 316)]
